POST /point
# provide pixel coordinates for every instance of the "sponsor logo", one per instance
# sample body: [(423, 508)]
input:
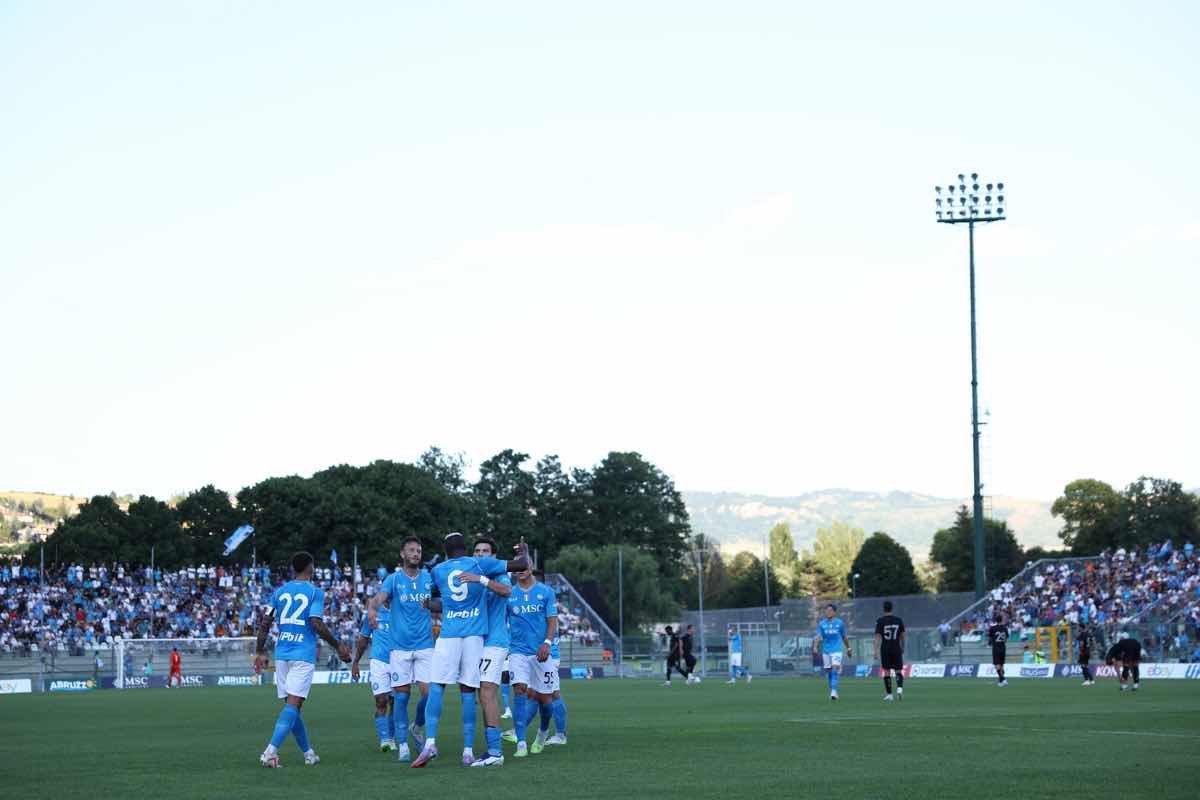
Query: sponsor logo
[(72, 686), (928, 670), (16, 686), (1069, 670), (412, 597), (1156, 670), (1038, 671), (341, 676), (239, 680), (986, 671), (862, 670), (465, 614), (136, 682), (288, 636), (962, 670), (1193, 671), (527, 608), (190, 680)]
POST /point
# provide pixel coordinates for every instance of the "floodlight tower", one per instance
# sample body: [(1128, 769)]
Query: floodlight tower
[(968, 202)]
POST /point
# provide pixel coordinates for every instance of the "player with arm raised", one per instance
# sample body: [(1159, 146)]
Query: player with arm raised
[(997, 637), (410, 629), (458, 654), (380, 674), (832, 643), (297, 608), (889, 649)]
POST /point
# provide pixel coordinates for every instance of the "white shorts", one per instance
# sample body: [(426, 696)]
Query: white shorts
[(457, 660), (411, 665), (382, 677), (293, 677), (735, 659), (541, 676), (492, 667), (831, 660)]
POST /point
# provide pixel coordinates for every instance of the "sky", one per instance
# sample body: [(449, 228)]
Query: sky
[(240, 240)]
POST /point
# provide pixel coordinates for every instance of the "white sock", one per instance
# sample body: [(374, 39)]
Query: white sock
[(430, 742), (271, 750), (310, 752)]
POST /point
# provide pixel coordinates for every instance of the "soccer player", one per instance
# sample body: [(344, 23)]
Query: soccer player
[(997, 637), (685, 649), (495, 653), (533, 628), (458, 654), (1128, 654), (1087, 640), (176, 673), (735, 657), (889, 649), (674, 651), (380, 673), (410, 630), (831, 642), (297, 608)]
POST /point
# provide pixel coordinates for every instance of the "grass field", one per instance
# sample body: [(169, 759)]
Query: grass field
[(959, 738)]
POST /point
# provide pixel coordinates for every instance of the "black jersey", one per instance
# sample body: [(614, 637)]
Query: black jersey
[(673, 647), (686, 641), (997, 636), (1125, 650), (1087, 643), (888, 628)]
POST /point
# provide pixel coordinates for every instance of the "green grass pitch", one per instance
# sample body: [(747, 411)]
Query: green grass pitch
[(958, 738)]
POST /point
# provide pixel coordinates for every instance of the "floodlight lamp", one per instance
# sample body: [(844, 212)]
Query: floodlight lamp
[(937, 189), (1000, 187), (951, 190), (1000, 199), (988, 199), (1000, 212), (962, 178), (989, 187), (939, 202), (962, 187), (974, 176), (975, 187)]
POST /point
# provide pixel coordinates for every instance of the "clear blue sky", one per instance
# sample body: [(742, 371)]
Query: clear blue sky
[(247, 239)]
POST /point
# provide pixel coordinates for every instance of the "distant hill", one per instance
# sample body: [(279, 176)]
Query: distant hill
[(739, 521)]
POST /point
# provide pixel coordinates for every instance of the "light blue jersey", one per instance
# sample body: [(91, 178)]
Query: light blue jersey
[(735, 643), (411, 626), (381, 638), (292, 605), (463, 603), (497, 617), (831, 631), (528, 612)]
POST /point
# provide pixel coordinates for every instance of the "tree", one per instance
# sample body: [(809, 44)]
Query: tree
[(745, 583), (95, 534), (152, 525), (207, 518), (508, 496), (562, 515), (954, 549), (636, 504), (593, 572), (446, 468), (716, 576), (813, 581), (1093, 515), (885, 568), (1159, 509), (929, 573), (834, 550), (783, 557)]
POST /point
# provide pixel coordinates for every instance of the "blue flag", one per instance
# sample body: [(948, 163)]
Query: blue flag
[(1166, 549), (333, 557), (237, 537)]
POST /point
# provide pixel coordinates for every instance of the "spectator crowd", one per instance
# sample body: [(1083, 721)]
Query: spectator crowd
[(78, 608), (1155, 590)]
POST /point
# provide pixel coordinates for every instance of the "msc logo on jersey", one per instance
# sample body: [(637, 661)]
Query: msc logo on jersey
[(527, 608)]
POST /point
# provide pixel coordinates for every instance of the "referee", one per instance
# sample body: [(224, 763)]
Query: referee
[(889, 649)]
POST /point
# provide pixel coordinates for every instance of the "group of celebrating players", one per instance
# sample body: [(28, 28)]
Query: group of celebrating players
[(495, 634)]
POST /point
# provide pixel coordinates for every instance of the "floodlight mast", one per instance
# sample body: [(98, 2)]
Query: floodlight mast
[(970, 201)]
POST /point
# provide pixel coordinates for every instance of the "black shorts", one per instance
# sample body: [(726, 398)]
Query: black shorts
[(999, 656), (1085, 657), (891, 659)]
